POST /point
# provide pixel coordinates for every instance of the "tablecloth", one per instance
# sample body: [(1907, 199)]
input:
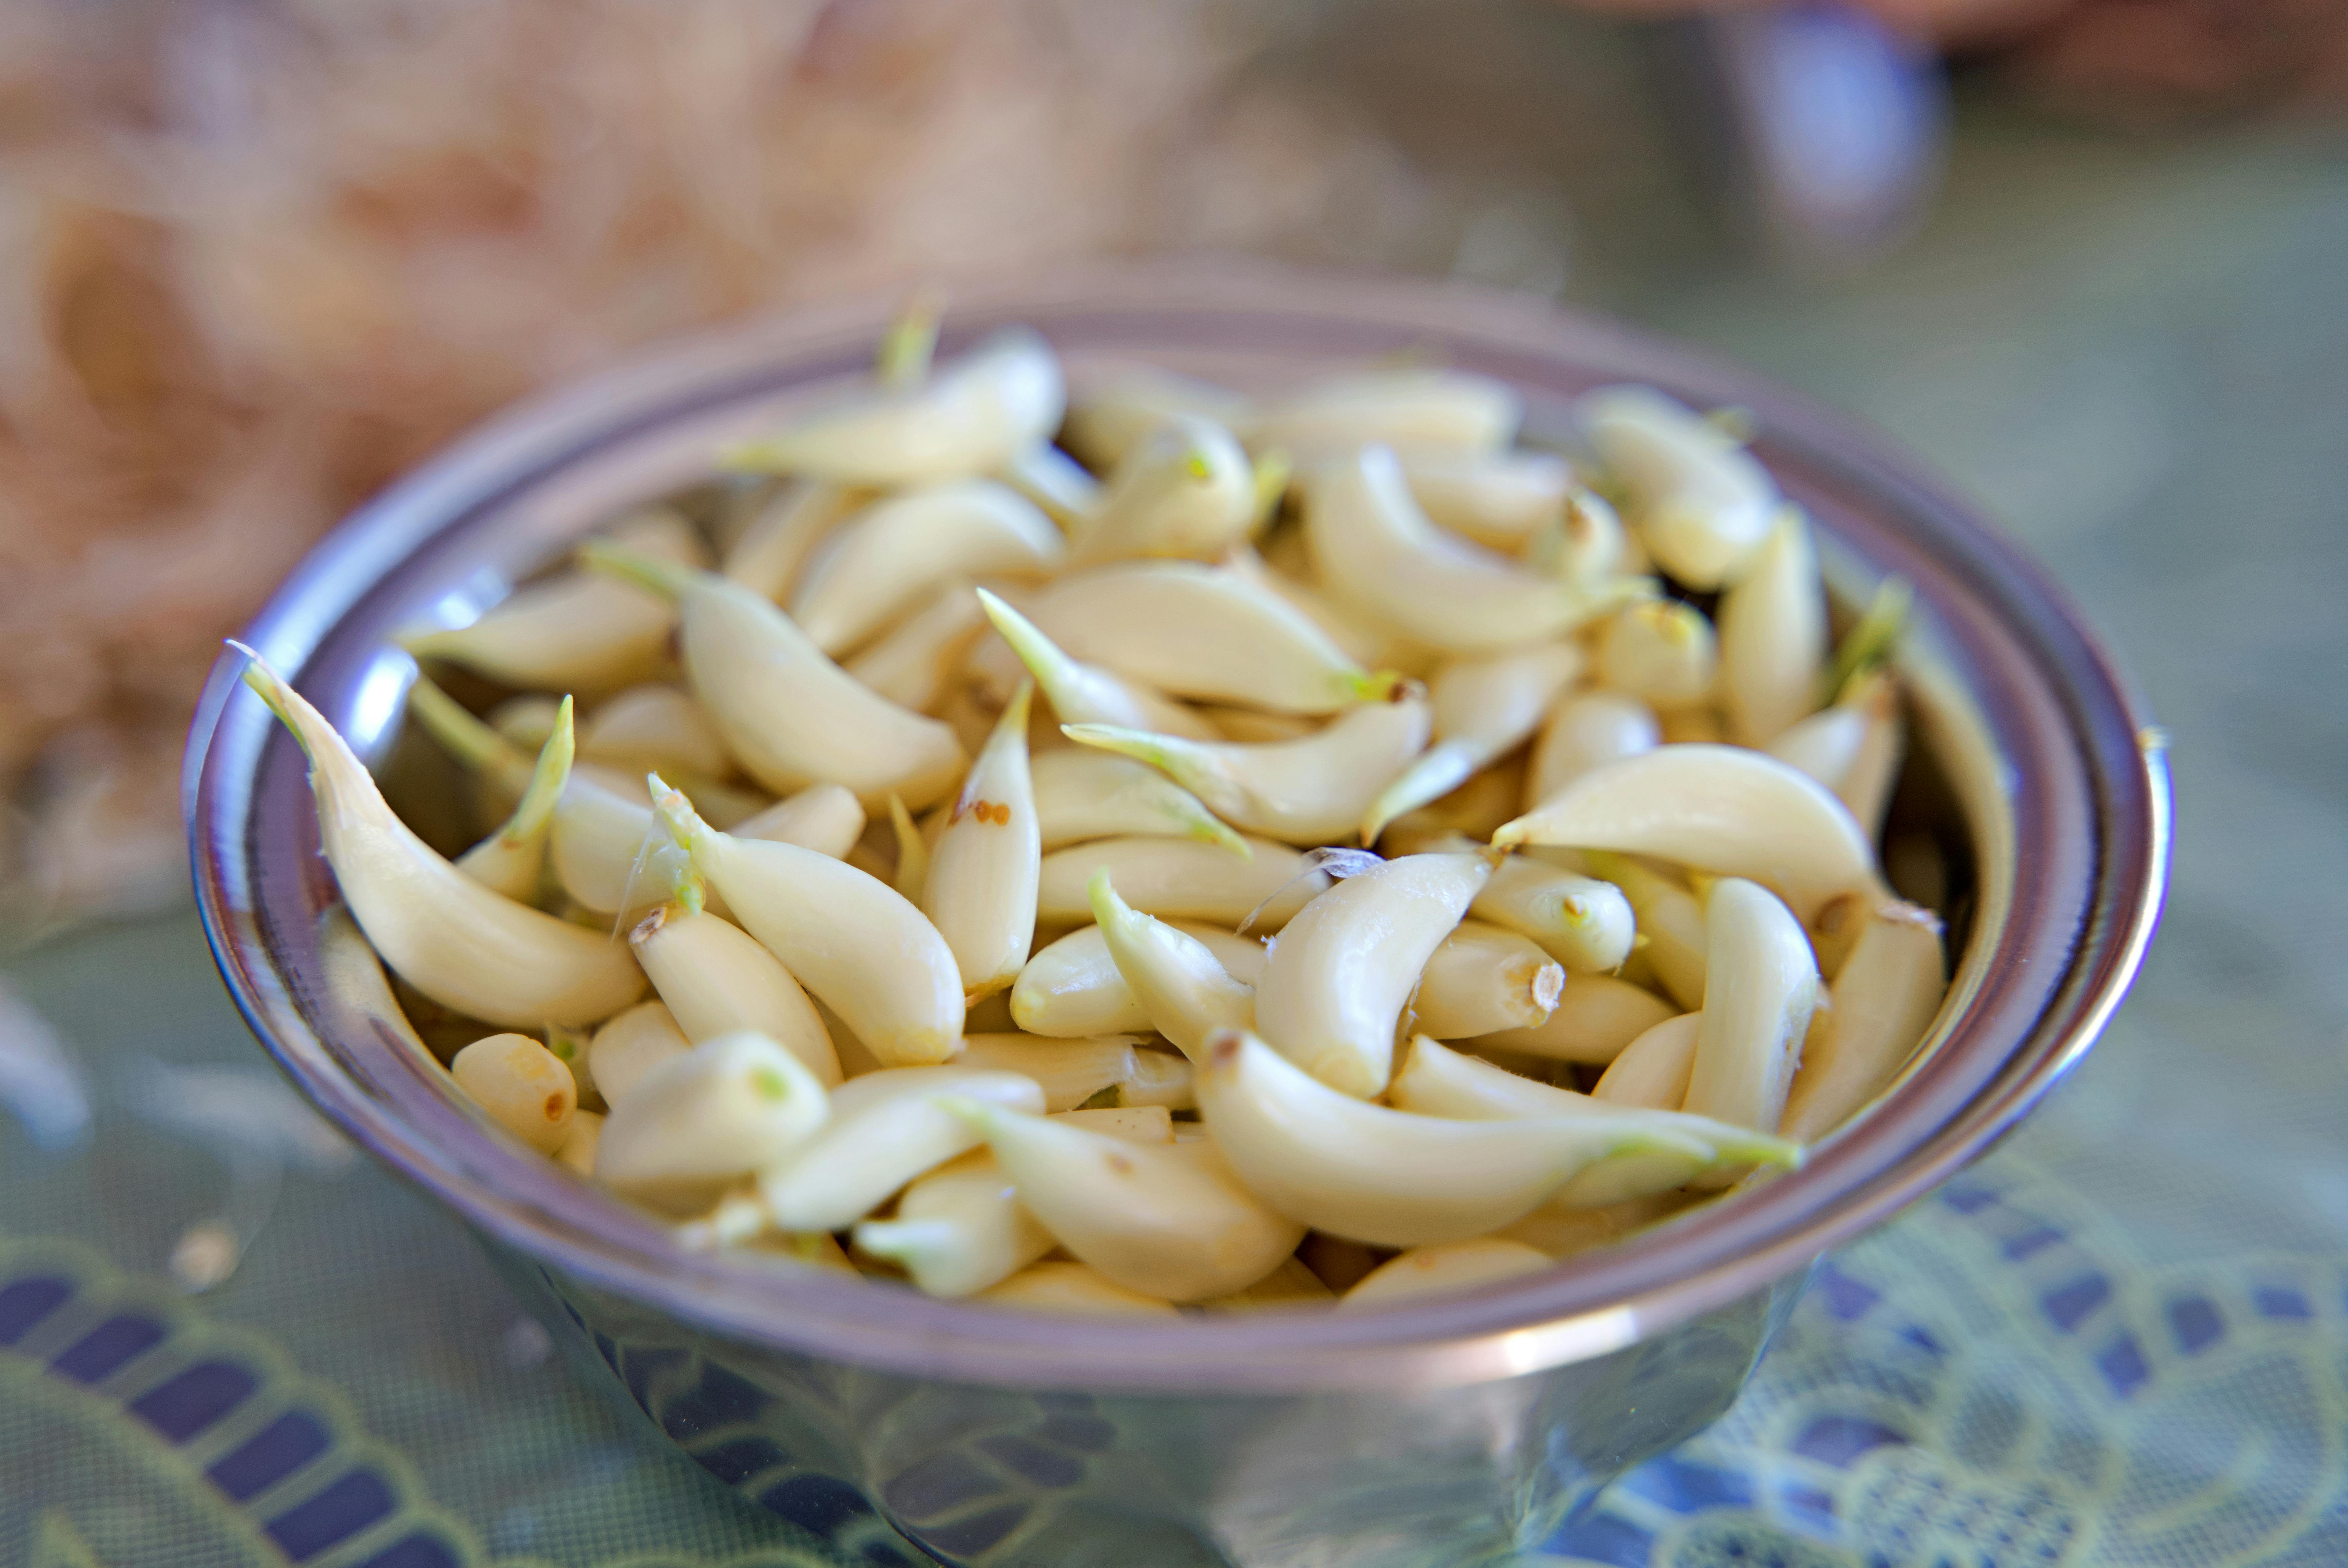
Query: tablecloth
[(2122, 1338)]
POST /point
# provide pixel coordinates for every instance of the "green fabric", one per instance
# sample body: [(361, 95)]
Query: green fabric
[(2122, 1340)]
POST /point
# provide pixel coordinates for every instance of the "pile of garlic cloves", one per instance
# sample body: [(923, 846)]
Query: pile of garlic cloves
[(1157, 848)]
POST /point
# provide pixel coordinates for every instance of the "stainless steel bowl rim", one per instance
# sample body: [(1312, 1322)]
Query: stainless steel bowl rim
[(1616, 1297)]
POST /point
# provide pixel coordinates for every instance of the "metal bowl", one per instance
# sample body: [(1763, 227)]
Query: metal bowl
[(1436, 1431)]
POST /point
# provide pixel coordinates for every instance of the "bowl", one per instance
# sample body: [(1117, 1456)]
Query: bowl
[(1436, 1431)]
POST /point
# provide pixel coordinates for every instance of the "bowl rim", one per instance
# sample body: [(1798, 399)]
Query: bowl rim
[(1922, 1133)]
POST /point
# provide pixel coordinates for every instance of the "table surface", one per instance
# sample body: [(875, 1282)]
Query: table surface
[(2121, 1339)]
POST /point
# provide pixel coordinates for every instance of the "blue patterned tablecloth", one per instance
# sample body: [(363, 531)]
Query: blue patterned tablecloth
[(2121, 1340)]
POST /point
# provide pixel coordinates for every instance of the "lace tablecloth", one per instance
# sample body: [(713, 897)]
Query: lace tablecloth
[(2120, 1339)]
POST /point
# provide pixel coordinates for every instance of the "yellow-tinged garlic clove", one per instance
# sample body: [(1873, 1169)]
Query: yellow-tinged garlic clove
[(523, 1086), (1773, 635), (857, 944), (1169, 1220), (1182, 987), (1365, 1172), (1203, 631), (717, 982), (885, 560), (699, 1123), (1486, 977), (461, 944), (1597, 1016), (980, 889), (969, 417), (1701, 503), (1718, 809), (1175, 878), (1653, 1070), (1307, 790), (1333, 985), (885, 1129), (1761, 984)]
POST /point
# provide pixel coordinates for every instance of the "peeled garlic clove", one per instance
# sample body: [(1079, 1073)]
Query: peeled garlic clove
[(1585, 543), (1334, 985), (717, 982), (1582, 923), (775, 548), (1376, 552), (461, 944), (1660, 651), (578, 632), (1653, 1070), (631, 1045), (1720, 809), (980, 891), (654, 728), (1114, 411), (1486, 977), (1885, 1000), (1438, 1082), (1072, 1288), (523, 1086), (1083, 793), (1205, 631), (865, 952), (1482, 708), (1176, 878), (1701, 503), (608, 850), (1084, 694), (512, 860), (1418, 408), (1761, 983), (1668, 917), (1182, 987), (824, 817), (1307, 790), (1597, 1016), (787, 712), (958, 1230), (1186, 489), (1585, 732), (1368, 1173), (698, 1122), (962, 1228), (1073, 1073), (913, 664), (577, 1154), (970, 417), (1449, 1265), (1072, 988), (1056, 482), (1499, 499), (1169, 1220), (1853, 747), (1773, 635), (885, 1129), (885, 560)]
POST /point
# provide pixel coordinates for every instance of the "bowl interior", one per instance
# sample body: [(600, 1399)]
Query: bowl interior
[(2033, 778)]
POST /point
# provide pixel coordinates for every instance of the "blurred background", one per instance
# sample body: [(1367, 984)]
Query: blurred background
[(258, 256)]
